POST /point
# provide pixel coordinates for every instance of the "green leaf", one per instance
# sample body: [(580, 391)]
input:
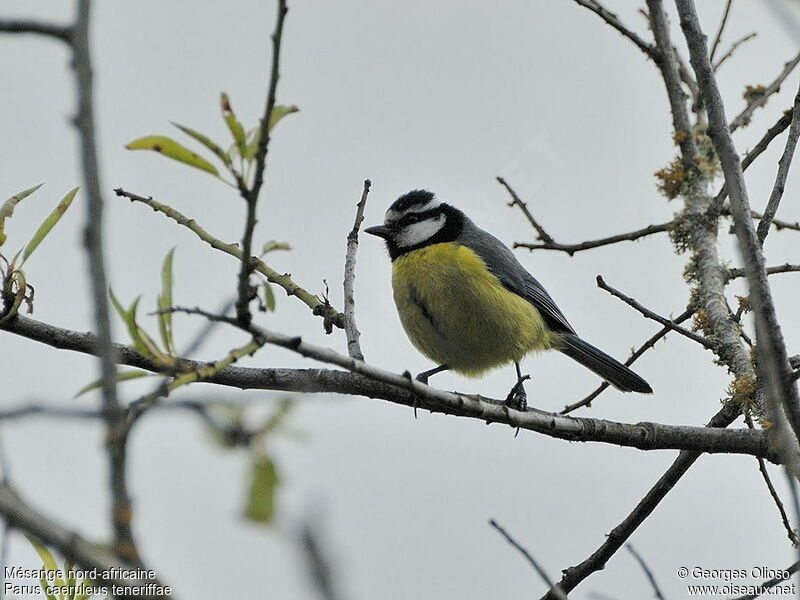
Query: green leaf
[(7, 208), (17, 277), (49, 563), (278, 112), (172, 149), (273, 245), (264, 483), (121, 376), (142, 342), (235, 127), (207, 142), (269, 297), (165, 303), (48, 224)]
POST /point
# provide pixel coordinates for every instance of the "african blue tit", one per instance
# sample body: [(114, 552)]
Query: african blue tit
[(467, 304)]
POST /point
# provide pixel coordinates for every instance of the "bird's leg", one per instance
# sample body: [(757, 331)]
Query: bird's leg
[(517, 398), (423, 377)]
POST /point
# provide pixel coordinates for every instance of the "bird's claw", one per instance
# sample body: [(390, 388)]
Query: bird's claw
[(517, 398)]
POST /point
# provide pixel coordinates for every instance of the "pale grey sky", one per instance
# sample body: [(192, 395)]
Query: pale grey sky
[(439, 95)]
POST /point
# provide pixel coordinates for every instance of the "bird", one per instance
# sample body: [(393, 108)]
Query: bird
[(467, 304)]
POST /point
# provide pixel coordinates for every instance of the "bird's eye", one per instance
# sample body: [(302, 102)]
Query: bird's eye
[(411, 218)]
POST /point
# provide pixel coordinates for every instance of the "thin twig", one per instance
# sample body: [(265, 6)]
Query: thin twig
[(654, 316), (350, 328), (614, 21), (722, 24), (323, 309), (532, 561), (762, 467), (59, 32), (647, 571), (785, 268), (742, 40), (318, 562), (716, 206), (784, 164), (515, 201), (767, 585), (571, 249), (251, 197), (587, 401), (744, 117)]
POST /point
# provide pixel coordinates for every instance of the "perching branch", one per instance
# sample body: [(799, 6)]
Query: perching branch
[(373, 382), (330, 316), (251, 197), (350, 328)]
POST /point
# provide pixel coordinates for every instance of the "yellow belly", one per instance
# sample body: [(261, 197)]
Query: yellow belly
[(456, 312)]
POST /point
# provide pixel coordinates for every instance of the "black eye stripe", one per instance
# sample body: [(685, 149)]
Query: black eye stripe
[(415, 217)]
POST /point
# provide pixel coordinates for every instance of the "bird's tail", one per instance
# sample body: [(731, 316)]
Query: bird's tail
[(613, 371)]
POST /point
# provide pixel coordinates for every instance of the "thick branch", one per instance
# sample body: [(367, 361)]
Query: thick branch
[(740, 208), (373, 382)]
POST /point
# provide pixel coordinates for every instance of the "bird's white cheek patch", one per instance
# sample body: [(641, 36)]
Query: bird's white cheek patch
[(416, 233)]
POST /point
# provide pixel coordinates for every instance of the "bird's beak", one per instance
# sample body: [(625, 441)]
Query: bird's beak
[(379, 231)]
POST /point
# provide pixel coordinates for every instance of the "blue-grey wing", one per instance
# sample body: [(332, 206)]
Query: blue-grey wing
[(504, 265)]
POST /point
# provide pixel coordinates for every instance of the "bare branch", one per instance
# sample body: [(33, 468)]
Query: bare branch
[(571, 249), (573, 576), (93, 235), (743, 118), (648, 573), (373, 382), (532, 561), (614, 21), (654, 316), (515, 201), (742, 40), (792, 569), (776, 358), (251, 197), (60, 32), (587, 401), (19, 514), (783, 172), (790, 532), (718, 37), (785, 268), (47, 410), (350, 328)]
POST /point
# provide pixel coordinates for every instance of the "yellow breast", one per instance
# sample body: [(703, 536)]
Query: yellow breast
[(456, 312)]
